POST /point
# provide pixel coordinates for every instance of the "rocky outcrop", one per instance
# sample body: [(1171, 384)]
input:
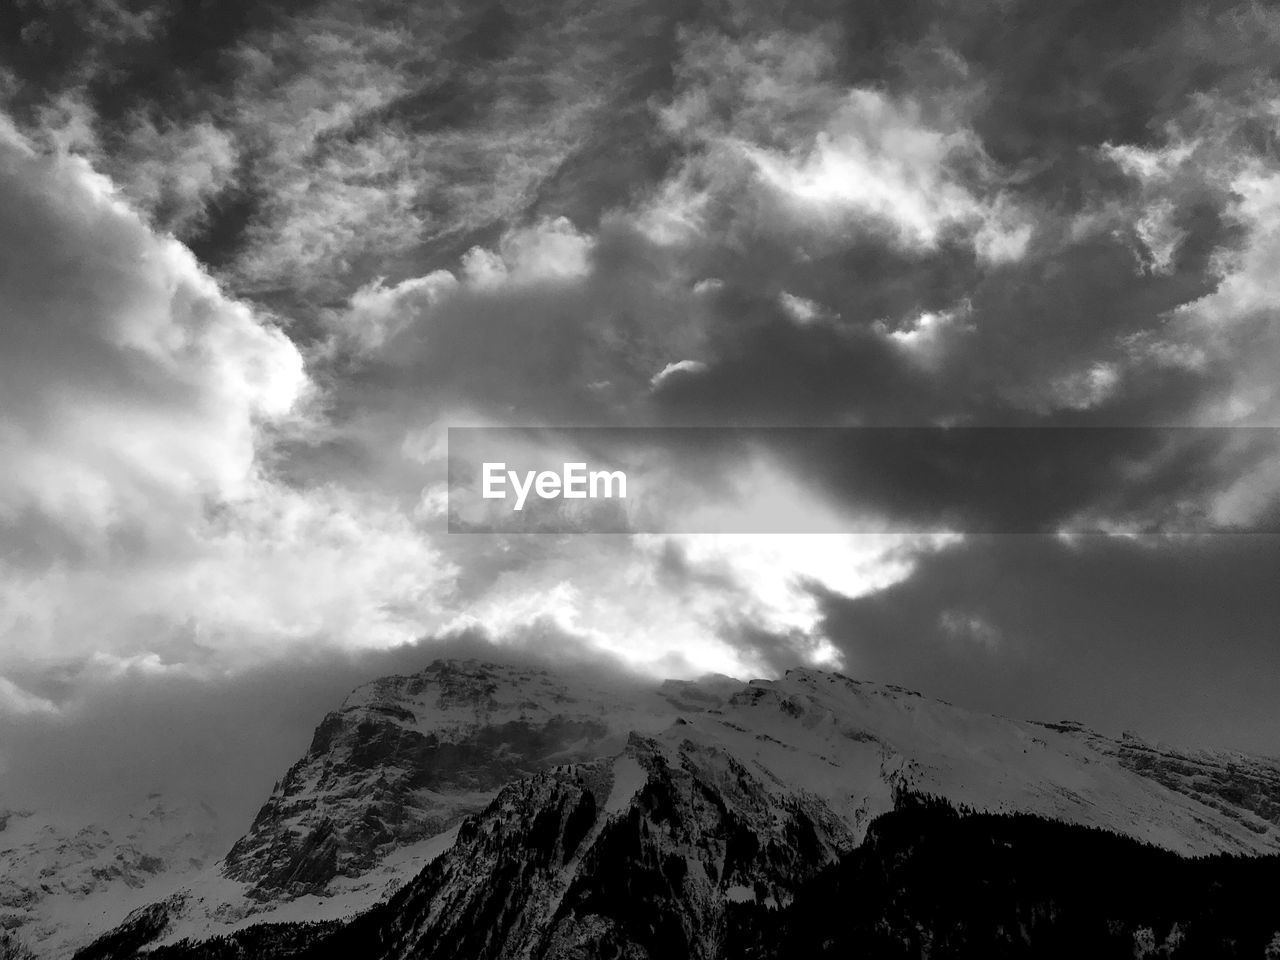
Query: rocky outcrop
[(407, 757), (634, 856), (61, 880)]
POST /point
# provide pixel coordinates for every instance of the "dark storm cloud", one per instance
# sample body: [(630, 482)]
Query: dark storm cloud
[(1173, 637), (1060, 335), (1051, 90), (1027, 327), (1028, 480), (1048, 89), (1089, 72), (765, 370), (134, 55), (966, 480)]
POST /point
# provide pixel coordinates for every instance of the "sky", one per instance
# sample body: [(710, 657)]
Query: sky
[(256, 259)]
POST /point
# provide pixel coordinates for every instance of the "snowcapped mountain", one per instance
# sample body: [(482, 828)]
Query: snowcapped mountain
[(496, 808), (405, 758), (390, 774), (853, 744), (62, 882)]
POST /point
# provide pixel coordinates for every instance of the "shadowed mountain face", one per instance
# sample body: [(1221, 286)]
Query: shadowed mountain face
[(599, 859), (545, 873), (929, 882), (500, 812), (405, 758)]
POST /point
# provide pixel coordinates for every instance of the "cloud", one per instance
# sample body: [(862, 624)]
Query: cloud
[(14, 701), (801, 309), (132, 388), (178, 172), (675, 369), (970, 628), (768, 117), (682, 604), (549, 323), (926, 338), (209, 547), (1083, 389), (551, 251), (1159, 634), (121, 733), (370, 144), (139, 409), (378, 312), (877, 160)]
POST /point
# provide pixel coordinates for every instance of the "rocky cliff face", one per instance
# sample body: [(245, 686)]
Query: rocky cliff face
[(569, 819), (1241, 788), (635, 856), (405, 758), (62, 881)]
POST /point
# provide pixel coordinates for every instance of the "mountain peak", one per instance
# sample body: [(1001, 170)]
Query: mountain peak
[(407, 761)]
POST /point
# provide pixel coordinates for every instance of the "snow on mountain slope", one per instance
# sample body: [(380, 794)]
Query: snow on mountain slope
[(63, 882), (853, 744), (801, 765), (212, 904)]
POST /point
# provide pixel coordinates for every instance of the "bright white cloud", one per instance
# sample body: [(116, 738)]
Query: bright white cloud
[(548, 251), (676, 369), (267, 574), (135, 404), (621, 595), (1212, 155), (877, 158), (768, 122), (927, 337), (1229, 335), (1160, 236), (377, 312), (800, 309), (132, 388)]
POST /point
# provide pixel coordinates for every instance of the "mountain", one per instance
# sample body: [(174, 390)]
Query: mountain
[(404, 758), (545, 875), (1028, 887), (502, 812), (391, 773), (63, 881)]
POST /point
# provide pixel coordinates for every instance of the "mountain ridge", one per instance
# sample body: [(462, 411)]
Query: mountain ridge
[(61, 877), (393, 778)]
